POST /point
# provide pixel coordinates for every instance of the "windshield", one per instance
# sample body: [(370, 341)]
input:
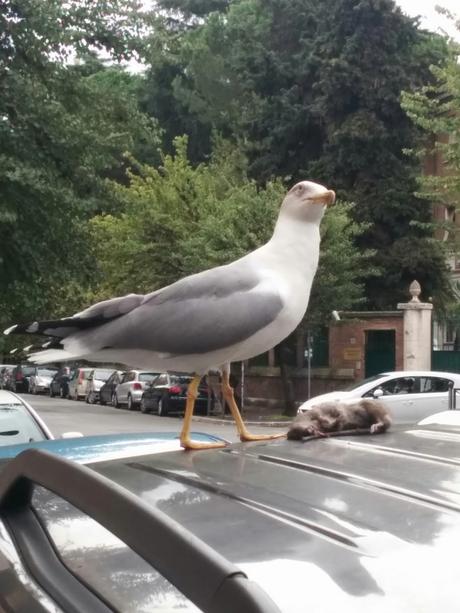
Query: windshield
[(47, 372), (148, 376), (181, 380), (17, 425), (102, 375), (364, 381), (28, 370)]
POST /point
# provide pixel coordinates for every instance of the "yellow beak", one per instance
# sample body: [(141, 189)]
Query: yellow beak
[(325, 198)]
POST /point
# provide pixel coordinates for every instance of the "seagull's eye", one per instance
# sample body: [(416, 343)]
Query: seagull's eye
[(300, 189)]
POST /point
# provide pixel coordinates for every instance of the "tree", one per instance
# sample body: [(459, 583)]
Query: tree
[(61, 132), (312, 89), (435, 108)]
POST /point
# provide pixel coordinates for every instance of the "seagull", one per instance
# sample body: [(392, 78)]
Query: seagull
[(205, 321)]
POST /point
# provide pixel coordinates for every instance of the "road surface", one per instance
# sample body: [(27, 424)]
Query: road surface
[(72, 416)]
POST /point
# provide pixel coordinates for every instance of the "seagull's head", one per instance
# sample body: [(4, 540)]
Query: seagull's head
[(307, 201)]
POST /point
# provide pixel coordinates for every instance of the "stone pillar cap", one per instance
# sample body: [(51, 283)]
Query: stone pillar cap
[(415, 290)]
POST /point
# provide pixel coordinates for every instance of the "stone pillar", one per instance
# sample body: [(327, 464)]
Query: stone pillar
[(417, 331)]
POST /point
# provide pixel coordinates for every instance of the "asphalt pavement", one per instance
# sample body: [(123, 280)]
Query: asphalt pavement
[(72, 416)]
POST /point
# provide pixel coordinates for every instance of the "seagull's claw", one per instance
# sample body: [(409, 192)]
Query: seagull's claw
[(246, 436), (187, 443)]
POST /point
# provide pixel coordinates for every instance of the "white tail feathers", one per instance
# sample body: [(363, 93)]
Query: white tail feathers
[(50, 355)]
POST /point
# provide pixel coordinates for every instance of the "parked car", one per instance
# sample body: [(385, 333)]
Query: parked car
[(19, 423), (329, 525), (78, 382), (96, 379), (59, 385), (6, 371), (107, 390), (40, 379), (409, 395), (20, 378), (129, 390), (168, 394)]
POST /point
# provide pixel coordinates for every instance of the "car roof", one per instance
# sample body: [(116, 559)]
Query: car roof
[(6, 396), (327, 524), (97, 448), (419, 373)]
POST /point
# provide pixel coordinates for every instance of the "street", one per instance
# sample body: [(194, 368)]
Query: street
[(72, 416)]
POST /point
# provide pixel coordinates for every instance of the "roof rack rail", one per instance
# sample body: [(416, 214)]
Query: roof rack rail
[(181, 557)]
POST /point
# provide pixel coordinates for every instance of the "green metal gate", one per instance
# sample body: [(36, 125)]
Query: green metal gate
[(445, 360), (380, 352)]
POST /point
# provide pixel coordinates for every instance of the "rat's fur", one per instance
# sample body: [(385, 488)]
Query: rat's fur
[(330, 417)]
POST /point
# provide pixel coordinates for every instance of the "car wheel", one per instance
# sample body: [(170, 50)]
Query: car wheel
[(162, 407), (115, 402), (131, 403), (144, 408)]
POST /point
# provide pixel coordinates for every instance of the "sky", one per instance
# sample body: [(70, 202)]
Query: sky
[(430, 19)]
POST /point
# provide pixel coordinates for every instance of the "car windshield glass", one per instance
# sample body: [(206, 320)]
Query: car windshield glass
[(102, 375), (124, 580), (363, 382), (147, 376), (17, 425), (181, 380), (47, 372), (28, 370)]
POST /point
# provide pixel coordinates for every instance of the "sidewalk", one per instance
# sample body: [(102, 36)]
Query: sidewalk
[(253, 416)]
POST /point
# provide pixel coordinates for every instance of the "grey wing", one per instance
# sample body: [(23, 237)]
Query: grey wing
[(201, 313)]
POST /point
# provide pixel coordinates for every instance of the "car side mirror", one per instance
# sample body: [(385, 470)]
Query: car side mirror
[(378, 393)]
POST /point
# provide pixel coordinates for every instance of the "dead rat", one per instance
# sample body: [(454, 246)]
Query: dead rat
[(330, 418)]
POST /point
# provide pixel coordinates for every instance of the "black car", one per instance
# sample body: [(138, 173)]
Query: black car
[(351, 524), (60, 383), (107, 391), (168, 394), (20, 378)]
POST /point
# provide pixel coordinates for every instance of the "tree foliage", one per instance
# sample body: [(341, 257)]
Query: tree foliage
[(62, 130), (312, 90), (436, 109)]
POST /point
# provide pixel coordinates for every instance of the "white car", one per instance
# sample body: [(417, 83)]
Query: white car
[(409, 395), (78, 382), (20, 423), (129, 390), (96, 380), (40, 379)]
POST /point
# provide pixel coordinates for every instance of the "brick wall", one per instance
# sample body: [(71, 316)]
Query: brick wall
[(347, 339)]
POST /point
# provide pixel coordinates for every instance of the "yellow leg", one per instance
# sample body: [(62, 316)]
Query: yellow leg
[(227, 391), (185, 440)]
